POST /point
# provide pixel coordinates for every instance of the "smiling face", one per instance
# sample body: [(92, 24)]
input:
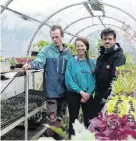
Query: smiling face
[(56, 37), (80, 48), (108, 41)]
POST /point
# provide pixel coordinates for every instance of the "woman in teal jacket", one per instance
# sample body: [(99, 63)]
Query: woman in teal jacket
[(80, 83)]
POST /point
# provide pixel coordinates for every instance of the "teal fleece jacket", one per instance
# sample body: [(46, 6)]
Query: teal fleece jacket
[(79, 75)]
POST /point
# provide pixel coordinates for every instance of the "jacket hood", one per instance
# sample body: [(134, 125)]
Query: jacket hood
[(115, 48)]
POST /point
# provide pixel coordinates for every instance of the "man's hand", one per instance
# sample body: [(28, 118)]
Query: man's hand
[(26, 66), (84, 95)]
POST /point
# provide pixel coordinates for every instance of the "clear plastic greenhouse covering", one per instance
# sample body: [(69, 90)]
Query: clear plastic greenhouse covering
[(24, 22)]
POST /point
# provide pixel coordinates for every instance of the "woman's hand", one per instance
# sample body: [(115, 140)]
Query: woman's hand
[(84, 95), (83, 100)]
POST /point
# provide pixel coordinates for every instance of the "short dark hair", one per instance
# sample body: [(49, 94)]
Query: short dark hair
[(108, 31), (54, 27)]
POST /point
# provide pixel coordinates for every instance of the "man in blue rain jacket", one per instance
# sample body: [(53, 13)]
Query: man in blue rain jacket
[(53, 59)]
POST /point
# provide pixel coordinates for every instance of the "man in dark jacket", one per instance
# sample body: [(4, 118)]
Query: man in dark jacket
[(111, 56)]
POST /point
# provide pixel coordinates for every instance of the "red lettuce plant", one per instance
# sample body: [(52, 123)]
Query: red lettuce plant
[(112, 127), (23, 60)]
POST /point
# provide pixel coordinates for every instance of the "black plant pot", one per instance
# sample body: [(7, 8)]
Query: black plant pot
[(3, 77), (19, 65), (34, 53), (12, 67)]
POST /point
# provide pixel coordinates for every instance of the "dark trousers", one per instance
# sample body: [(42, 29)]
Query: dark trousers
[(100, 92), (74, 103), (97, 106)]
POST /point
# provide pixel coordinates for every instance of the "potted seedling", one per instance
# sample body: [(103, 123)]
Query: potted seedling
[(12, 63), (37, 47)]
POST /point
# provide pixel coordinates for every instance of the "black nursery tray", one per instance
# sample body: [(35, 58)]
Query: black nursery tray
[(14, 107)]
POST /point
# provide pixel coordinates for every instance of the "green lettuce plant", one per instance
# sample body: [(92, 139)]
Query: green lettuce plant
[(81, 133)]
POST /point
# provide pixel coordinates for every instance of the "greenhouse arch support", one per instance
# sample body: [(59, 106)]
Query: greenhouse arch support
[(98, 25), (89, 17), (93, 33), (37, 30)]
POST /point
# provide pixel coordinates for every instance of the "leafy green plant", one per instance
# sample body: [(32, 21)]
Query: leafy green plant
[(12, 62), (124, 84), (129, 59), (39, 45), (128, 67), (1, 60), (126, 81), (81, 133), (65, 121), (72, 48), (64, 124), (99, 43), (112, 127), (122, 105)]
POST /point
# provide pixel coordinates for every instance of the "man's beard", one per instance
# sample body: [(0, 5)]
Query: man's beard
[(107, 46)]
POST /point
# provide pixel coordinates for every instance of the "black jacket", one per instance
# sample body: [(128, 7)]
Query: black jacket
[(106, 64)]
